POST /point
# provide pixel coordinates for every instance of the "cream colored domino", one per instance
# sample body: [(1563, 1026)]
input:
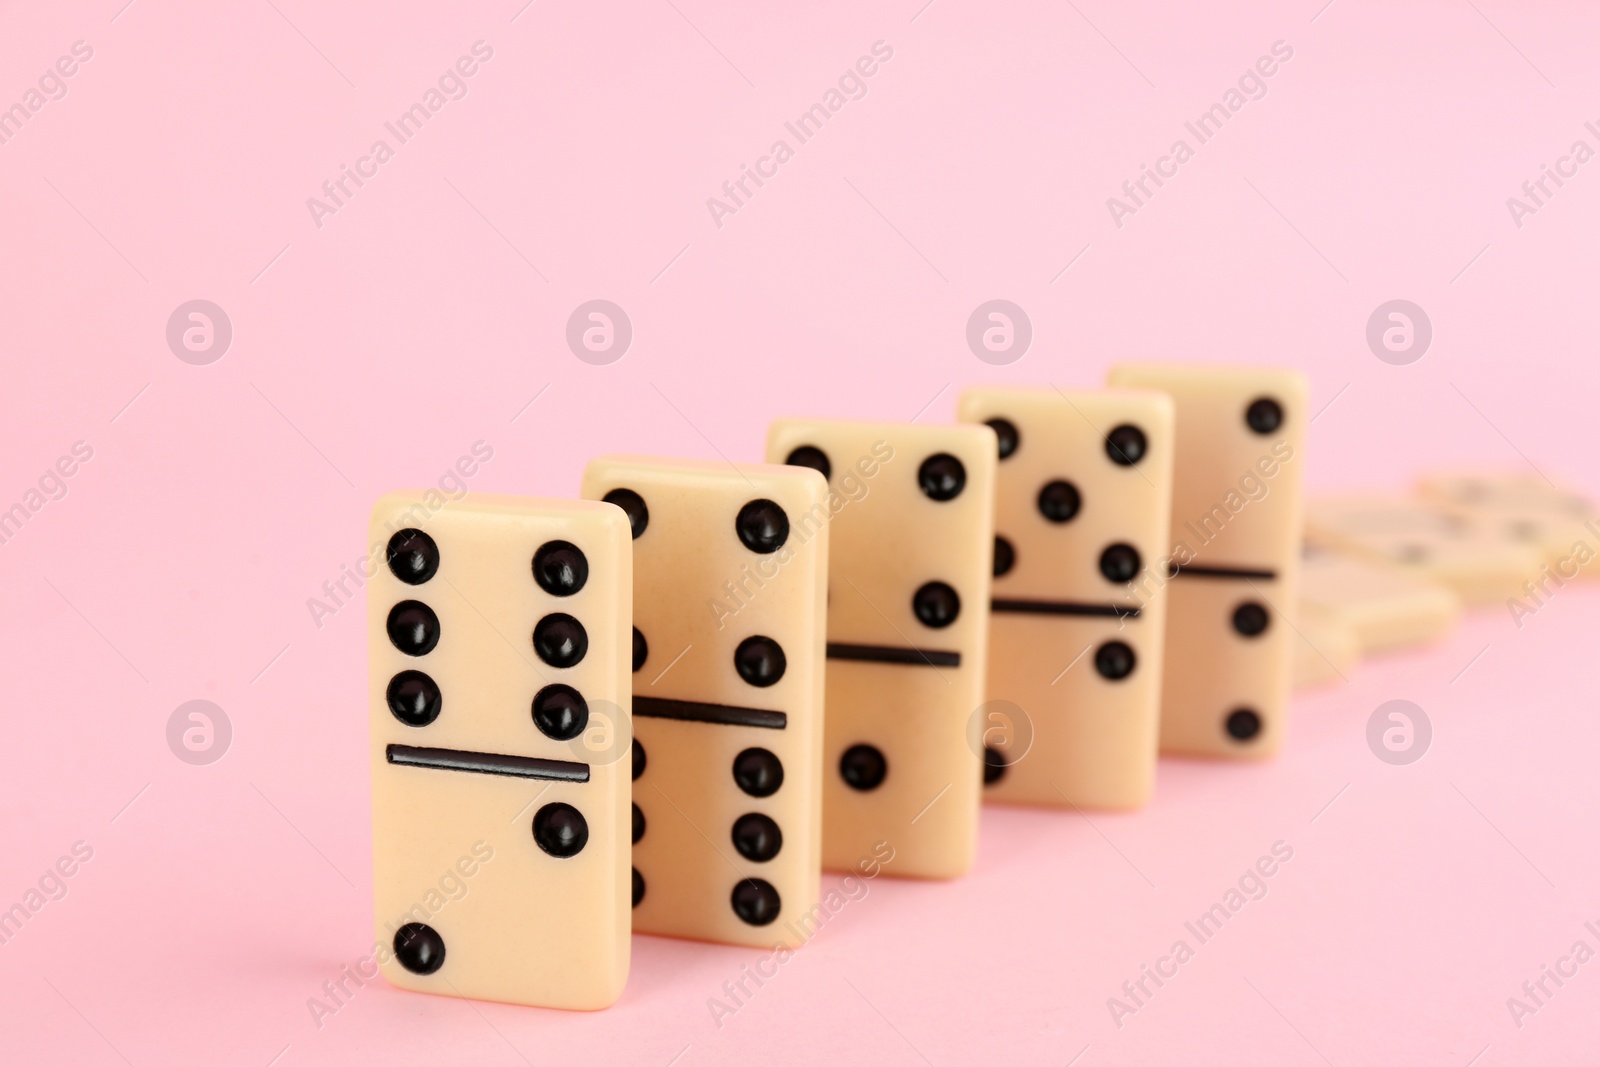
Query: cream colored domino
[(908, 569), (1326, 649), (1505, 489), (729, 608), (1383, 607), (1236, 533), (1567, 548), (1425, 541), (1562, 525), (1077, 629), (498, 633)]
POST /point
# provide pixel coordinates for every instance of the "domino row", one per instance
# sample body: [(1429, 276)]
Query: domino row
[(1386, 571), (607, 715)]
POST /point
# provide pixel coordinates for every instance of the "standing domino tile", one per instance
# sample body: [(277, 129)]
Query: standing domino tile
[(730, 588), (498, 636), (1425, 541), (907, 635), (1076, 630), (1236, 533)]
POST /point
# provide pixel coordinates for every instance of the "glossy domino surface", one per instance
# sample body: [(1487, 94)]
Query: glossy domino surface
[(909, 571), (730, 582), (1076, 638), (1236, 535), (498, 637)]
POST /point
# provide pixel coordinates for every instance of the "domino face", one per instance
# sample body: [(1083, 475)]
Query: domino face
[(1523, 509), (909, 546), (1236, 535), (730, 588), (1381, 606), (499, 640), (1076, 633), (1427, 542), (1511, 490)]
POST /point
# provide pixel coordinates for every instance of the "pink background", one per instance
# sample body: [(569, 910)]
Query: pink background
[(370, 353)]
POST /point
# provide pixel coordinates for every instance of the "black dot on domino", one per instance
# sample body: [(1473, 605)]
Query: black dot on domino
[(639, 759), (757, 837), (755, 901), (760, 661), (1250, 619), (413, 556), (560, 640), (638, 824), (419, 948), (1264, 415), (1114, 661), (413, 627), (942, 477), (633, 504), (638, 887), (936, 605), (414, 698), (762, 526), (560, 829), (1005, 557), (641, 649), (1005, 432), (758, 772), (1120, 563), (863, 767), (994, 765), (1059, 501), (1243, 724), (560, 568), (813, 457), (1125, 445), (560, 712)]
